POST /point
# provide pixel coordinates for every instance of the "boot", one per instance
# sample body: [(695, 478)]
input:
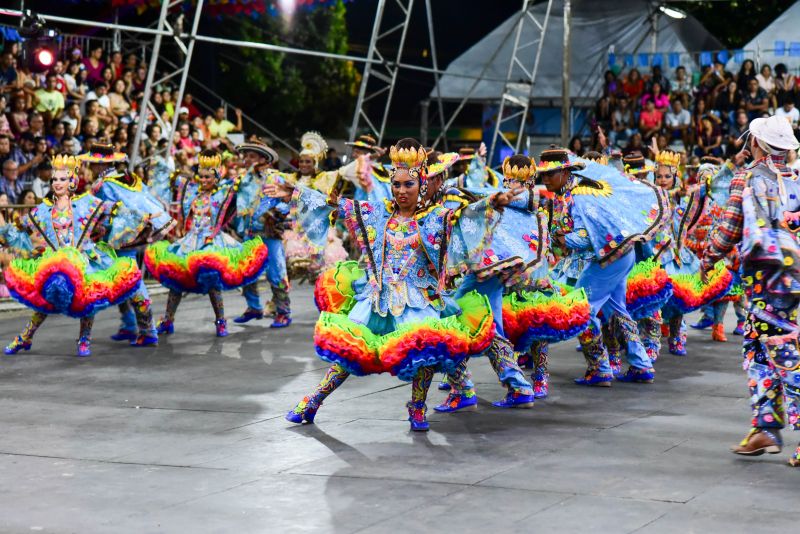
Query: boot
[(677, 346), (718, 333), (457, 402), (165, 327), (739, 330), (759, 441), (794, 461), (84, 346), (541, 384), (304, 412), (17, 345), (636, 375), (222, 327), (416, 416)]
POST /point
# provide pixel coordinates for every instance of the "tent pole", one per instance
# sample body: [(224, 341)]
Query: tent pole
[(565, 96)]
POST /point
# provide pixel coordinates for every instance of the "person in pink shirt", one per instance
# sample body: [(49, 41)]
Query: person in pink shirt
[(650, 120), (94, 65), (660, 99)]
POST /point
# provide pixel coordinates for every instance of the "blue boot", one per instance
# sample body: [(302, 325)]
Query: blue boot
[(165, 327), (456, 402), (124, 335), (595, 378), (145, 340), (17, 345), (305, 411), (516, 399), (416, 416), (282, 320), (702, 324), (84, 344), (249, 315), (222, 327), (638, 376)]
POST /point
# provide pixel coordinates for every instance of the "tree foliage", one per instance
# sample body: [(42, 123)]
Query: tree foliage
[(736, 22), (289, 92)]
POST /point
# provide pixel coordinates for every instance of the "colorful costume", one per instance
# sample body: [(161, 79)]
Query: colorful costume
[(598, 217), (392, 316), (205, 259), (762, 216), (113, 186), (77, 275)]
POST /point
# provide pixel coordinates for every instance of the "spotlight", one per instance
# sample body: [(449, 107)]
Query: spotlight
[(673, 12)]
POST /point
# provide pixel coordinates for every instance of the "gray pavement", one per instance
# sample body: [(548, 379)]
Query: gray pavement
[(190, 437)]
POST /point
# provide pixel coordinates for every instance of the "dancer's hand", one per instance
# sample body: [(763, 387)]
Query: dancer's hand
[(503, 199), (741, 157), (703, 273), (278, 190)]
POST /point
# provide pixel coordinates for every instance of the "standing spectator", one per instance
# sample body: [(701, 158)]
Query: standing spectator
[(49, 100), (650, 121), (678, 123), (747, 72), (756, 100), (9, 185), (709, 142), (41, 184), (220, 127), (633, 86), (94, 65), (623, 122), (784, 82), (682, 86)]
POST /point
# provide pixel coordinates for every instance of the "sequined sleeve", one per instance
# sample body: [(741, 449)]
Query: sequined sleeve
[(311, 212), (728, 232)]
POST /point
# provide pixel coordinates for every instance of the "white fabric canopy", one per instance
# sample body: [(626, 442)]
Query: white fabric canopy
[(786, 29), (596, 25)]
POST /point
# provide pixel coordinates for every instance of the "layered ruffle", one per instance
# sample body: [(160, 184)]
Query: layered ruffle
[(209, 268), (61, 281), (689, 293), (439, 343), (648, 288), (530, 316), (333, 291)]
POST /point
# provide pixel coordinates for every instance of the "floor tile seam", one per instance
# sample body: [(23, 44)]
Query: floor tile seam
[(116, 462)]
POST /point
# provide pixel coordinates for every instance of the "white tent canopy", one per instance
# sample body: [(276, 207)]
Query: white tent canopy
[(597, 25), (784, 31)]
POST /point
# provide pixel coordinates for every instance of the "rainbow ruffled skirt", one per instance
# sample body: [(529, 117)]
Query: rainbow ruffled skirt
[(689, 293), (648, 289), (209, 268), (441, 343), (63, 281), (530, 316)]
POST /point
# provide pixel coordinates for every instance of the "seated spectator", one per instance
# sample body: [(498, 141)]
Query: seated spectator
[(37, 125), (765, 79), (635, 144), (784, 82), (71, 145), (41, 184), (576, 146), (185, 143), (682, 86), (332, 160), (747, 72), (120, 139), (152, 137), (678, 123), (633, 85), (789, 111), (56, 135), (169, 105), (709, 142), (49, 100), (5, 126), (8, 74), (611, 86), (623, 122), (657, 77), (756, 100), (78, 88), (728, 101), (115, 64), (120, 106), (188, 103), (18, 117), (199, 126), (603, 112), (72, 117), (736, 135), (9, 184), (650, 121), (220, 127), (660, 99), (5, 148), (792, 161)]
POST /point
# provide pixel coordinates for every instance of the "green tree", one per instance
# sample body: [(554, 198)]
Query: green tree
[(287, 92), (736, 22)]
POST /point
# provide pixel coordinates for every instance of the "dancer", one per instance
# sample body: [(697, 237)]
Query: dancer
[(762, 217), (368, 178), (393, 316), (76, 275), (599, 215), (264, 217), (471, 172), (205, 259), (113, 185)]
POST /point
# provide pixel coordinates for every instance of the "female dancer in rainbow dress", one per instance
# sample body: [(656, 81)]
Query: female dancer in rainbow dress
[(75, 275), (205, 259), (393, 315)]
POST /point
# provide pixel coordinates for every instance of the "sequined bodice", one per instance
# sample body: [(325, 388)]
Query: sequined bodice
[(201, 212), (403, 261), (62, 224)]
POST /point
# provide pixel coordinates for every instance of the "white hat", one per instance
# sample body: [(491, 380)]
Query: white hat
[(775, 131), (182, 110)]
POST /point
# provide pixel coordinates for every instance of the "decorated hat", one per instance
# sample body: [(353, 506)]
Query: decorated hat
[(259, 148), (445, 161), (522, 173), (466, 153), (411, 159), (366, 141), (66, 162), (314, 145), (209, 161), (776, 132), (636, 164), (102, 153), (555, 159), (669, 158), (596, 157)]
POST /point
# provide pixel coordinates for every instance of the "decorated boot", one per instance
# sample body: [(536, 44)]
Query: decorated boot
[(638, 376), (304, 412), (84, 346), (249, 315), (718, 333), (124, 334), (416, 416), (739, 330), (541, 387), (222, 327), (165, 327), (516, 399), (677, 346), (794, 461), (758, 441), (595, 378), (458, 402)]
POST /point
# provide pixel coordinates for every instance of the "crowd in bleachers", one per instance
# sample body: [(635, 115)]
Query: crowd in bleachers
[(90, 95), (700, 114)]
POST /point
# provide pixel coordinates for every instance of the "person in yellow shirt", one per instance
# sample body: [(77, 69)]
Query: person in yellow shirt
[(220, 127), (49, 100)]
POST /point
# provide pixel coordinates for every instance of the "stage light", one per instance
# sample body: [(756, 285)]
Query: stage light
[(287, 6), (673, 12), (44, 57)]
